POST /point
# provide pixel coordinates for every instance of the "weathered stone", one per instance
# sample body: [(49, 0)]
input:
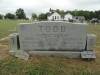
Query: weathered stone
[(52, 36), (88, 54), (91, 41), (68, 54), (13, 43), (22, 54)]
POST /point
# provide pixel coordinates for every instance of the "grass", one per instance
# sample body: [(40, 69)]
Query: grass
[(47, 66), (96, 30), (40, 65), (8, 26)]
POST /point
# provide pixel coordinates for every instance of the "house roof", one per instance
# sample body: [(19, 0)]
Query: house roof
[(50, 13), (62, 15)]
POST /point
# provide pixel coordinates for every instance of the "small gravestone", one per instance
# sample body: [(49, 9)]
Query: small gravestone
[(54, 38)]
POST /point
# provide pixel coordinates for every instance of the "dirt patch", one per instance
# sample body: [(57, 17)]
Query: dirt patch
[(4, 49), (4, 41)]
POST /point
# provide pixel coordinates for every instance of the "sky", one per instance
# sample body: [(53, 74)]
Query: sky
[(42, 6)]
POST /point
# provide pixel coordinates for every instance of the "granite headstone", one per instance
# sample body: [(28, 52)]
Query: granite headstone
[(52, 36)]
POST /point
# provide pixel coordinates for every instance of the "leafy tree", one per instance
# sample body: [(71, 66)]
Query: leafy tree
[(87, 14), (57, 10), (97, 14), (42, 16), (20, 14), (1, 16), (61, 12), (34, 16), (9, 16)]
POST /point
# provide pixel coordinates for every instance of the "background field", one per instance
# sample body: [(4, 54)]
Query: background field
[(40, 65), (8, 26)]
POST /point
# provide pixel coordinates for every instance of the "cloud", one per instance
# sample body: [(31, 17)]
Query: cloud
[(39, 6), (87, 4)]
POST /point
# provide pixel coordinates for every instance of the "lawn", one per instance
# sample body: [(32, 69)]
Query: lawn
[(96, 30), (8, 26), (44, 65)]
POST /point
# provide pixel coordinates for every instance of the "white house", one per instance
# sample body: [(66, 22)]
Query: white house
[(68, 17), (54, 16)]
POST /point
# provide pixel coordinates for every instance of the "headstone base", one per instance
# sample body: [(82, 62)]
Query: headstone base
[(20, 54), (88, 55), (68, 54)]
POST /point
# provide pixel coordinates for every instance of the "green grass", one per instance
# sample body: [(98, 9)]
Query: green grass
[(40, 65), (96, 30), (7, 26), (45, 66)]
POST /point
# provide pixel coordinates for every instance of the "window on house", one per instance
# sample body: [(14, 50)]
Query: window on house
[(55, 17)]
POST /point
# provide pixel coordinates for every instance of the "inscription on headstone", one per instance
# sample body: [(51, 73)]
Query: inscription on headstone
[(52, 35)]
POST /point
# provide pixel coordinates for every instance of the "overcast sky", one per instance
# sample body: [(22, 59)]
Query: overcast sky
[(38, 6)]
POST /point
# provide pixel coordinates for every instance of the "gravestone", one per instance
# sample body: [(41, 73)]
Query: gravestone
[(54, 38)]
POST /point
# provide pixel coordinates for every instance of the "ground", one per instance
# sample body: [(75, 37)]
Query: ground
[(43, 65)]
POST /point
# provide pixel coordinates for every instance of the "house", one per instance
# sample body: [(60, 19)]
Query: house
[(68, 17), (79, 19), (94, 20), (54, 16)]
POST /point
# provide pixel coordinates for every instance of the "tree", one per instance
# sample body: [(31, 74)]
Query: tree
[(42, 16), (20, 14), (34, 16), (9, 16), (97, 14), (1, 16)]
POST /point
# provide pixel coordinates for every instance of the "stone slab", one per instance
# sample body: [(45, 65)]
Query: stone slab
[(68, 54), (13, 42), (88, 54), (91, 41), (52, 35), (22, 54)]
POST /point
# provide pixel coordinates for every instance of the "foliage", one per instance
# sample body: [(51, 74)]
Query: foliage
[(87, 14), (9, 16), (20, 14), (97, 14), (1, 16), (34, 16), (42, 16)]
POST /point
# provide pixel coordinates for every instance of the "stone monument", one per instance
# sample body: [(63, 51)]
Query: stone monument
[(57, 38)]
